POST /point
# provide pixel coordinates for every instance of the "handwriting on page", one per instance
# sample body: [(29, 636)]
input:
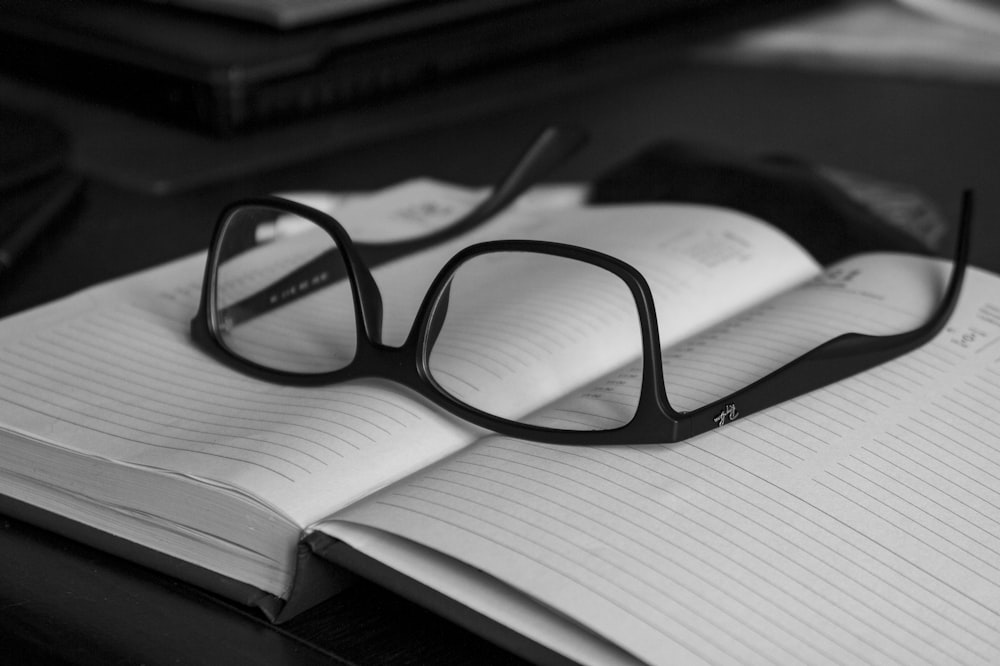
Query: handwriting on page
[(980, 334), (712, 251), (411, 209)]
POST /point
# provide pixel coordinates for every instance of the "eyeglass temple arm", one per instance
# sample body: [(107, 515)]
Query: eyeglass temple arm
[(836, 359), (550, 148)]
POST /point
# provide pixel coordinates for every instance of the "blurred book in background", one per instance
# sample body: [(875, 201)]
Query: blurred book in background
[(247, 64)]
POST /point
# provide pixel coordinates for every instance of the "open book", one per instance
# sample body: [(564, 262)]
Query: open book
[(859, 523)]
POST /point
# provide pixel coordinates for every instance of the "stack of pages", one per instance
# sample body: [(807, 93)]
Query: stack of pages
[(856, 524)]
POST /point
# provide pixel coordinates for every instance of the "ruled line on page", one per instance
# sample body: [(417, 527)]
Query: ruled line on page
[(174, 352), (141, 371), (826, 553), (732, 524), (869, 575), (126, 377), (931, 604), (887, 482), (817, 628), (127, 422), (492, 502), (117, 391), (162, 382), (117, 435), (172, 333), (853, 493), (639, 618), (799, 508), (804, 575), (930, 487)]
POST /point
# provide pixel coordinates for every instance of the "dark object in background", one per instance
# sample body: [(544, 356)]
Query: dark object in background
[(36, 183), (832, 213), (226, 76)]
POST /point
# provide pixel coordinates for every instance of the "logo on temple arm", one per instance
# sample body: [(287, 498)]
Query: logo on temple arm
[(727, 414)]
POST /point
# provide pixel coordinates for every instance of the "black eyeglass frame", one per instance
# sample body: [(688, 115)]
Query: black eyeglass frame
[(654, 421)]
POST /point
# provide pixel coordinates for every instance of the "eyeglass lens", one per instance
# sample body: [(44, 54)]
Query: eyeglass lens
[(517, 328), (302, 325)]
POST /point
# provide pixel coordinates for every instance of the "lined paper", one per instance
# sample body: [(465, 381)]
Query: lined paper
[(525, 333), (112, 376), (122, 381), (122, 386), (112, 373), (858, 524)]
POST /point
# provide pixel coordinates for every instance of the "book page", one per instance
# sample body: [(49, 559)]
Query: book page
[(857, 524), (113, 375), (466, 585), (112, 372)]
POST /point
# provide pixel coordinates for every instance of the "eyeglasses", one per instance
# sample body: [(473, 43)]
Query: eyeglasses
[(306, 311)]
